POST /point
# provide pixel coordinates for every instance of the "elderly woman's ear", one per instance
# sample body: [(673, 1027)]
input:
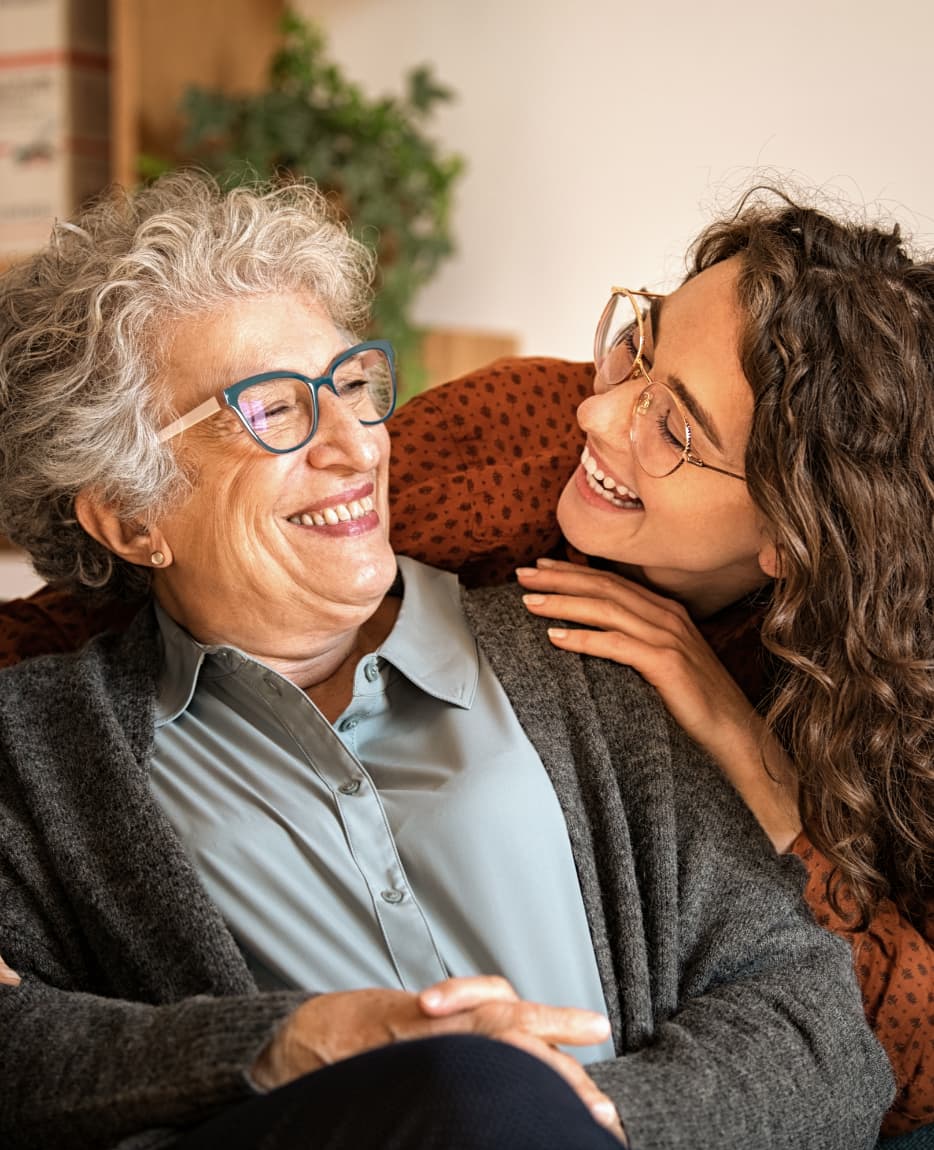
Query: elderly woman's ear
[(134, 542)]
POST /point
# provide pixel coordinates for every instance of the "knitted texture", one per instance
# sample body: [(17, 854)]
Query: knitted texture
[(737, 1020)]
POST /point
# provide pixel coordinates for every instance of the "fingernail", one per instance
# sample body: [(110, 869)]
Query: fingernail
[(557, 633), (597, 1025), (528, 572), (604, 1112), (431, 997), (546, 563), (533, 600)]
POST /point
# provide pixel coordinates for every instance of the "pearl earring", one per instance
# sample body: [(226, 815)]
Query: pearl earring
[(157, 558)]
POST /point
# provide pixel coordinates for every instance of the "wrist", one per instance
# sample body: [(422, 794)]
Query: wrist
[(265, 1073), (764, 776)]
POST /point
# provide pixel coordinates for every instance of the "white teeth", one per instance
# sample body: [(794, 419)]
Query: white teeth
[(604, 485), (339, 513)]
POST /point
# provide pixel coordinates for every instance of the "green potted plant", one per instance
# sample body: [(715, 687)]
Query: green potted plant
[(393, 182)]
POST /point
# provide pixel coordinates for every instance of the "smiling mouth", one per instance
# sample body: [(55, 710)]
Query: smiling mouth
[(613, 490), (336, 513)]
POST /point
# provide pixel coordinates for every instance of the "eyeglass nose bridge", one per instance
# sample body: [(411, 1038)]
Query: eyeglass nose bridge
[(345, 415), (314, 387)]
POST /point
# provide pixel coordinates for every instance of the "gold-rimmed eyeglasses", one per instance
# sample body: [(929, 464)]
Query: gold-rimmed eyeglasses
[(659, 431)]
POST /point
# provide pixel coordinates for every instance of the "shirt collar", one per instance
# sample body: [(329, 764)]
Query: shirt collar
[(430, 643), (182, 657)]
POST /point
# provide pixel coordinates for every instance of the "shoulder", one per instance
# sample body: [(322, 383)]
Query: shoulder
[(60, 689), (517, 644), (658, 769)]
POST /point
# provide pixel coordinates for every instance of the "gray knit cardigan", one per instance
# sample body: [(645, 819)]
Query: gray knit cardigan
[(737, 1021)]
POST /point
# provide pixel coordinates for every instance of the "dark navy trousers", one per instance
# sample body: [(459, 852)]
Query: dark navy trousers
[(458, 1092)]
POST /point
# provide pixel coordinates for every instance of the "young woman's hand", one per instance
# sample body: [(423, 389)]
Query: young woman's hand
[(630, 624)]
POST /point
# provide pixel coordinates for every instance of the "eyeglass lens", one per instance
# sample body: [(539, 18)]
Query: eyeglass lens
[(281, 411), (616, 343), (658, 432)]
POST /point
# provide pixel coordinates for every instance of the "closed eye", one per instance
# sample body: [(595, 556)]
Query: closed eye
[(666, 433), (353, 387)]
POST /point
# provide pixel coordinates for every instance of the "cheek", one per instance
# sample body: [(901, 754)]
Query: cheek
[(224, 511)]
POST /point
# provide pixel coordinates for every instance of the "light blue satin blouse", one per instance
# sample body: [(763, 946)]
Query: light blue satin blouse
[(417, 838)]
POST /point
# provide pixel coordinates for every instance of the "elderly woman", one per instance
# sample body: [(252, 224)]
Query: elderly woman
[(313, 802)]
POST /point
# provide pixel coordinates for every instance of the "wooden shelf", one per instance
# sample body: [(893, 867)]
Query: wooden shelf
[(161, 47)]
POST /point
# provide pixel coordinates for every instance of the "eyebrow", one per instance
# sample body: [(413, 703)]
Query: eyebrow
[(699, 413)]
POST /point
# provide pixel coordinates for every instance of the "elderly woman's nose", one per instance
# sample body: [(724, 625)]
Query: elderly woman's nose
[(340, 436)]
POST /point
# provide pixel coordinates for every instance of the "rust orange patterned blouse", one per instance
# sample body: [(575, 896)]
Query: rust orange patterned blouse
[(477, 469)]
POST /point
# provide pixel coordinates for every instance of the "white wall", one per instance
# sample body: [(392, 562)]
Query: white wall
[(601, 134)]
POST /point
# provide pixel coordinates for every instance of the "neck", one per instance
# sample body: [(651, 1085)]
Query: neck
[(703, 595), (321, 663)]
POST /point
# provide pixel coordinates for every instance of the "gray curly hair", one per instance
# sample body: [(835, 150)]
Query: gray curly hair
[(84, 326)]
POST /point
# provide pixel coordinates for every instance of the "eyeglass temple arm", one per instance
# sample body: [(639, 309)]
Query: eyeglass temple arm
[(196, 415), (690, 457)]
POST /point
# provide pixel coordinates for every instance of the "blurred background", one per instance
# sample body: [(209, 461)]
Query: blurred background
[(582, 144), (601, 134)]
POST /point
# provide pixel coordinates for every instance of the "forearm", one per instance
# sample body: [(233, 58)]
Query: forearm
[(89, 1071), (768, 1020), (762, 773), (730, 1066)]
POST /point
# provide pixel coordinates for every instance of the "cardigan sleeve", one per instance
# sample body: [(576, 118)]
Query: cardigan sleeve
[(105, 1070), (764, 1043), (894, 963), (136, 1012)]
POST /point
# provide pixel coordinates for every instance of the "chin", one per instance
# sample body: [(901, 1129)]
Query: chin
[(373, 578)]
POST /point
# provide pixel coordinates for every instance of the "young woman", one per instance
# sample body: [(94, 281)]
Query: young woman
[(761, 443)]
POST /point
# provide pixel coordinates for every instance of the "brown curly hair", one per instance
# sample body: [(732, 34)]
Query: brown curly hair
[(838, 347)]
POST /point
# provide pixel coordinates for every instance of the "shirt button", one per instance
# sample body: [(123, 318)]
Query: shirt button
[(371, 670), (272, 686), (349, 724), (392, 895), (350, 788)]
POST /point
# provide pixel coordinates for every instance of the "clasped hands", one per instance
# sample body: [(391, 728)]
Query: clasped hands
[(332, 1027)]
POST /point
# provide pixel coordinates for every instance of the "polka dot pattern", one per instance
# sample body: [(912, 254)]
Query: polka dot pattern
[(478, 465)]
